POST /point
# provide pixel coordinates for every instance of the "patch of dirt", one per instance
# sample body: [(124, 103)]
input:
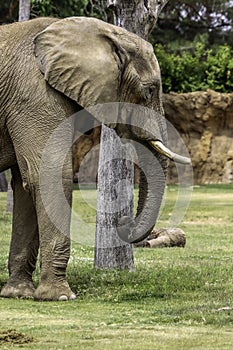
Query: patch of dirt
[(11, 336)]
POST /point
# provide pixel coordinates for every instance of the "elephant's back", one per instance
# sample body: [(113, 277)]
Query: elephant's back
[(17, 61), (17, 46), (21, 34)]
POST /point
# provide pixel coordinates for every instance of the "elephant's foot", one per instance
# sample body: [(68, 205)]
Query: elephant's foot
[(18, 289), (59, 290)]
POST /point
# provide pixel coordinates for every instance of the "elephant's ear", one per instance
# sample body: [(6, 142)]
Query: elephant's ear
[(77, 59)]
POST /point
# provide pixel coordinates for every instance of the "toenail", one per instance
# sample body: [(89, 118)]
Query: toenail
[(63, 298)]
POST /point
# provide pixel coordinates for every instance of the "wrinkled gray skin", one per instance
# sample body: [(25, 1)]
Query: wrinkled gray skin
[(49, 68)]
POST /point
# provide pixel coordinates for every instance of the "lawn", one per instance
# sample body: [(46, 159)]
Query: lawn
[(177, 298)]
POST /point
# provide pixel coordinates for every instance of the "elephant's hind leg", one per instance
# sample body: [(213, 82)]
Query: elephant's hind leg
[(24, 243), (7, 153)]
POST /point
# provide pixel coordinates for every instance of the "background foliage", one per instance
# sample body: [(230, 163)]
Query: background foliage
[(193, 39), (198, 69), (193, 42), (182, 20), (58, 8)]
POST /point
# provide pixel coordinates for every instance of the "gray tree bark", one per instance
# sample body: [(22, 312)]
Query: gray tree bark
[(24, 10), (10, 200), (110, 252), (115, 197), (137, 16)]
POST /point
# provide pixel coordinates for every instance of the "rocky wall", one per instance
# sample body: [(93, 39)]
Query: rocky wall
[(205, 122)]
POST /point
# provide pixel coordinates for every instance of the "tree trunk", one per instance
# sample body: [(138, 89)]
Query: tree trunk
[(110, 252), (9, 205), (137, 16), (24, 10), (115, 196)]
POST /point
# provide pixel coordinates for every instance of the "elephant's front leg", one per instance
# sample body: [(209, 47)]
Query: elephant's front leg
[(53, 199), (54, 256), (24, 242)]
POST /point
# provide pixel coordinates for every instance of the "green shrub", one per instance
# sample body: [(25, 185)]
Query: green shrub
[(58, 8), (196, 69)]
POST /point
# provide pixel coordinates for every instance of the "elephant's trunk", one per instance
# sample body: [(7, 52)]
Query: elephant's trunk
[(152, 163), (151, 190)]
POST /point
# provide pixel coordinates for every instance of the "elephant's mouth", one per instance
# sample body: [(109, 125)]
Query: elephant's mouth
[(162, 149)]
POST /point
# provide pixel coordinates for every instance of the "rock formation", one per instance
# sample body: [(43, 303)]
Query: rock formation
[(86, 156), (205, 122)]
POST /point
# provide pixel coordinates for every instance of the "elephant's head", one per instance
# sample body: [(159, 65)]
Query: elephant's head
[(93, 62)]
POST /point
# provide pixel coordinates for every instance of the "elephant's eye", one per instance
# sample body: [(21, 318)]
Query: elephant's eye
[(151, 90)]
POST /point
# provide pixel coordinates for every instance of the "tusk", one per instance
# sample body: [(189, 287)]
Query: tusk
[(159, 147)]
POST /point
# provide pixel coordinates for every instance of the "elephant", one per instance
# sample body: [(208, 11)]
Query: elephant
[(50, 69)]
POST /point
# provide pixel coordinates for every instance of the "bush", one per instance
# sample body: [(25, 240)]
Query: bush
[(58, 8), (196, 69)]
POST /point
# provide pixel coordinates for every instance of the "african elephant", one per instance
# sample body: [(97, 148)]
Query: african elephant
[(51, 68)]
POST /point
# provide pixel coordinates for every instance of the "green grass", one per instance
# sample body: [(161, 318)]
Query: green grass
[(176, 298)]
